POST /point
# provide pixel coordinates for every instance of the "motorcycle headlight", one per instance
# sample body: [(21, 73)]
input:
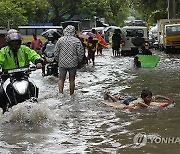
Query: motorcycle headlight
[(21, 87), (50, 55), (50, 60)]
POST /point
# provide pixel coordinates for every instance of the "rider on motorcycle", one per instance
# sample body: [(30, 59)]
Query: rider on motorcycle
[(15, 55), (50, 40)]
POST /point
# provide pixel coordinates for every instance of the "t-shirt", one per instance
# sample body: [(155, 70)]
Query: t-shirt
[(36, 44)]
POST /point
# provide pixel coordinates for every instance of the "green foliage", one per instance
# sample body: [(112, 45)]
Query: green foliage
[(149, 10), (12, 13), (36, 10), (115, 12), (20, 12)]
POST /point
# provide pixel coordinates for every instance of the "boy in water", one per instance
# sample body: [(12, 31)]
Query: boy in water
[(143, 102)]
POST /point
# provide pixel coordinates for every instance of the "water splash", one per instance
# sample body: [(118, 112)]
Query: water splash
[(28, 112)]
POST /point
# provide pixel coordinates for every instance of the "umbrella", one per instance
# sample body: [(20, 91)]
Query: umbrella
[(54, 32), (90, 34)]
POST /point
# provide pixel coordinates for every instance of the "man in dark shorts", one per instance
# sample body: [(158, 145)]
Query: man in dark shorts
[(116, 41), (69, 53)]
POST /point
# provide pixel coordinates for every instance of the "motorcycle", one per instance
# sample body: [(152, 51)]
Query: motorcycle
[(17, 87), (51, 66)]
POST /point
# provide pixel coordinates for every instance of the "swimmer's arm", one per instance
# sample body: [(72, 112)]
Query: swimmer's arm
[(157, 97), (114, 99)]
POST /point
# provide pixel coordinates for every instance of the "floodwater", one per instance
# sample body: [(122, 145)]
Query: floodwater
[(82, 124)]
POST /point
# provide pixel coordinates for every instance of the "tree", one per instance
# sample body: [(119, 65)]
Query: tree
[(10, 12), (36, 10), (21, 12), (114, 11), (151, 10), (62, 10)]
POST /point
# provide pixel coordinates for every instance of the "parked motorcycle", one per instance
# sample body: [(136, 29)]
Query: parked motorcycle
[(17, 87), (51, 66)]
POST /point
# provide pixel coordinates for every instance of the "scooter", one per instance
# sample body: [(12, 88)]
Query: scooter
[(51, 66), (17, 87)]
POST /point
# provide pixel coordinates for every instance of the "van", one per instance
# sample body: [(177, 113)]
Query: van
[(134, 40)]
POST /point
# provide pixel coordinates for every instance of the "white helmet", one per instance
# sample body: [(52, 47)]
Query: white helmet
[(13, 36)]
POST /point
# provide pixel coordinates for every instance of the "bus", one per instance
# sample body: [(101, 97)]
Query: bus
[(28, 31)]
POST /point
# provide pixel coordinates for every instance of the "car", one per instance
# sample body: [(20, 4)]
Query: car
[(134, 40)]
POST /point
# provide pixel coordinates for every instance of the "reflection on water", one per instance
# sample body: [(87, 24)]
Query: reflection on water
[(84, 125)]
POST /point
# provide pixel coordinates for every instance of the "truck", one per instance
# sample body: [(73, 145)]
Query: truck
[(169, 35)]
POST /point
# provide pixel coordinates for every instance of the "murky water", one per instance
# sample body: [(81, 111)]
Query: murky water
[(84, 125)]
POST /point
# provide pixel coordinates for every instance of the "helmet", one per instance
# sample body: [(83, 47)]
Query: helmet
[(50, 35), (13, 36)]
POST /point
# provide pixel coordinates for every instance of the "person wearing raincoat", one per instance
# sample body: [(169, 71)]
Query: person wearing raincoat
[(69, 52), (15, 55)]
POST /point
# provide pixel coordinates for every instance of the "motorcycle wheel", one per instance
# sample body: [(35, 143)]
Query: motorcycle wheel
[(49, 71), (55, 71)]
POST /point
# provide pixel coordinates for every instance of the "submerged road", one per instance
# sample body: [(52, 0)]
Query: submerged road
[(84, 125)]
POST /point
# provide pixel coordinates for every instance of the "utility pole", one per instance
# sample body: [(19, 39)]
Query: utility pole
[(10, 23), (171, 9)]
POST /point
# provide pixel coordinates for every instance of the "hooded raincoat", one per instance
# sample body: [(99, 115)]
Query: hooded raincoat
[(25, 55), (69, 49)]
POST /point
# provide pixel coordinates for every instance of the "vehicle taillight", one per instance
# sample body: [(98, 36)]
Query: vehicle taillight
[(123, 43), (146, 44)]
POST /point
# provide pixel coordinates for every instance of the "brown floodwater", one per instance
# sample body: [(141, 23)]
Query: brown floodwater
[(84, 125)]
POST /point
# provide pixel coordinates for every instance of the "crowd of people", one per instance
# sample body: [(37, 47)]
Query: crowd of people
[(69, 52)]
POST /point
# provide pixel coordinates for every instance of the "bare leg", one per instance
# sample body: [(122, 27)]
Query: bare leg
[(100, 51), (72, 84), (113, 52), (61, 84), (114, 99), (93, 60), (118, 52)]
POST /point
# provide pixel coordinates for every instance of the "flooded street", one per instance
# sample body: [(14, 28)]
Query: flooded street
[(84, 125)]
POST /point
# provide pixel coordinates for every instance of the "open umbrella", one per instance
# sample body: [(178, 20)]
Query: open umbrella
[(54, 32)]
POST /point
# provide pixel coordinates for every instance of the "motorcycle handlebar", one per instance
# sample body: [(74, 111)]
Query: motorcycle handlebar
[(19, 70)]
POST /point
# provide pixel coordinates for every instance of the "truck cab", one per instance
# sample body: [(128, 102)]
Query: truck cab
[(169, 35), (172, 37)]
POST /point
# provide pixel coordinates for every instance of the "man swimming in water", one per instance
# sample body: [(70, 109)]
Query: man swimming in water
[(143, 102)]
